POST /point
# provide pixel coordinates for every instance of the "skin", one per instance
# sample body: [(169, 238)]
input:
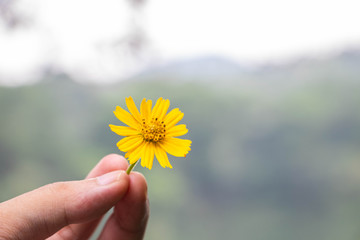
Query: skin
[(72, 210)]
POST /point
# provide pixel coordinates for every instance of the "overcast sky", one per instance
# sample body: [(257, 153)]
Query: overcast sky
[(77, 36)]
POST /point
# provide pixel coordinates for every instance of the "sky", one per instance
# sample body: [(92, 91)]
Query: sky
[(81, 37)]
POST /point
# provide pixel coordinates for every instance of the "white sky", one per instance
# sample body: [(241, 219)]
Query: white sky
[(75, 35)]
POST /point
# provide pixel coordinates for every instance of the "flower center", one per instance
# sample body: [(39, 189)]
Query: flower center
[(153, 131)]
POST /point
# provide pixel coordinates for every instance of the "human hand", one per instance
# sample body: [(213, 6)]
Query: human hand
[(72, 210)]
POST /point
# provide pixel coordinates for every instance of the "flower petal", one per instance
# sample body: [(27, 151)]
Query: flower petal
[(175, 146), (164, 108), (135, 155), (133, 109), (173, 117), (149, 105), (145, 109), (143, 163), (147, 156), (129, 143), (123, 131), (177, 130), (162, 157), (151, 154), (180, 143), (155, 111), (126, 117)]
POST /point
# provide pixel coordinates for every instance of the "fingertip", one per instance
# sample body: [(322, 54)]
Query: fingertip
[(138, 176), (114, 160), (113, 177), (109, 163), (138, 186)]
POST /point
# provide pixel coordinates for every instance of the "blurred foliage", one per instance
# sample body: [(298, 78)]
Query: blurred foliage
[(275, 152)]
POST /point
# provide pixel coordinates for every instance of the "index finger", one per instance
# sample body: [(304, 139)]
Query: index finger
[(109, 163)]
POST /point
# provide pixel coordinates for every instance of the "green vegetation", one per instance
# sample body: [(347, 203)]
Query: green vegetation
[(275, 152)]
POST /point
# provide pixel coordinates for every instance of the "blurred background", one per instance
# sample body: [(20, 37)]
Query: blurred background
[(270, 92)]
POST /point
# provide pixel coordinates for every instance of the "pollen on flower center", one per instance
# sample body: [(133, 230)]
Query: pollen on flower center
[(153, 131)]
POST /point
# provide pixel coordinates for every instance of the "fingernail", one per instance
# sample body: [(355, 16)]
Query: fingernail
[(109, 178)]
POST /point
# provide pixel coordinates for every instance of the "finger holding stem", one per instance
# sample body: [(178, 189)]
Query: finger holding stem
[(131, 167)]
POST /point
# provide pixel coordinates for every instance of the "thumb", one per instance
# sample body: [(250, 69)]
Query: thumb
[(40, 213)]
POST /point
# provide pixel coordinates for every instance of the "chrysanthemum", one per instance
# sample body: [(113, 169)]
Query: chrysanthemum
[(151, 132)]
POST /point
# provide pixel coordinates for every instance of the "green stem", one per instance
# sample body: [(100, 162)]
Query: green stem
[(131, 167)]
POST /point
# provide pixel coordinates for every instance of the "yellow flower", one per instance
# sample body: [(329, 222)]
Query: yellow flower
[(151, 132)]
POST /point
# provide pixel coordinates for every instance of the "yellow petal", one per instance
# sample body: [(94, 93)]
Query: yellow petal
[(133, 109), (129, 143), (149, 106), (177, 130), (164, 108), (162, 157), (175, 146), (135, 154), (123, 131), (151, 154), (144, 149), (173, 117), (155, 111), (145, 109), (147, 156), (126, 117), (183, 144)]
